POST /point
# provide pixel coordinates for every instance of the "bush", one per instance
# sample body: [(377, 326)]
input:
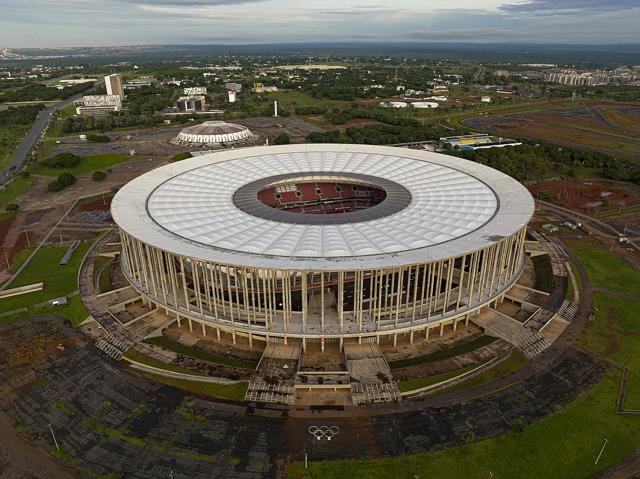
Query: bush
[(62, 160), (180, 156), (12, 207), (54, 186), (281, 139), (93, 137), (98, 175), (66, 179)]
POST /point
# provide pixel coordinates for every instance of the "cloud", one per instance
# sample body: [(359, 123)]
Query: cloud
[(568, 6)]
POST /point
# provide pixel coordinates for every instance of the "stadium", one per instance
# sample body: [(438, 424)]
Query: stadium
[(315, 243), (213, 133)]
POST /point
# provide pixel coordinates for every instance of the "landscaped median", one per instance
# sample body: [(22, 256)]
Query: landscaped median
[(192, 381)]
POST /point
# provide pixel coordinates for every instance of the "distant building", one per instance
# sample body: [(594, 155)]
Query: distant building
[(138, 83), (195, 90), (260, 88), (114, 85), (485, 99), (98, 104), (191, 103), (231, 86)]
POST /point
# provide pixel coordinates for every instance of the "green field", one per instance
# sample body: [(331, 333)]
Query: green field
[(605, 269), (615, 334), (197, 353), (296, 98), (87, 164), (13, 189), (58, 281)]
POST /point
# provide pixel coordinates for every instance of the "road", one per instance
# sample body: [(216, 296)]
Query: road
[(601, 226), (32, 137)]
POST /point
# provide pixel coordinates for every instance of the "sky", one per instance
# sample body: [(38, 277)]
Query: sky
[(60, 23)]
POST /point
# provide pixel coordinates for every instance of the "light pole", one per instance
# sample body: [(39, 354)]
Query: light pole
[(602, 450), (54, 437)]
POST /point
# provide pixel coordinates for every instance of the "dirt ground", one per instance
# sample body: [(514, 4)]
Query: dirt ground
[(587, 196), (609, 127)]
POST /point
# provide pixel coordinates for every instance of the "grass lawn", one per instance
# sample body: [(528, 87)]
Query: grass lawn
[(13, 189), (232, 392), (10, 139), (412, 384), (197, 353), (104, 280), (298, 98), (605, 269), (58, 281), (615, 334), (149, 361), (444, 354), (87, 164), (564, 445)]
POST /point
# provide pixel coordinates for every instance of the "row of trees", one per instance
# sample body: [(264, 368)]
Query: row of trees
[(39, 92)]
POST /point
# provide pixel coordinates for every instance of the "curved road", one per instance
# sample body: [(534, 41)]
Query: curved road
[(20, 155)]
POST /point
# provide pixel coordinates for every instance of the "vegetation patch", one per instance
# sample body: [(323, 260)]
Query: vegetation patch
[(413, 384), (197, 353), (444, 354), (156, 363), (232, 392)]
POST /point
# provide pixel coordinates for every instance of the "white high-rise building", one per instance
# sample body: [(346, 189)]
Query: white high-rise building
[(114, 85)]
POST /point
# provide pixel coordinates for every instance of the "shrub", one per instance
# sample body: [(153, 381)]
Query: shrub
[(95, 138), (12, 207), (281, 139), (180, 156), (98, 175), (66, 179), (62, 160), (54, 186)]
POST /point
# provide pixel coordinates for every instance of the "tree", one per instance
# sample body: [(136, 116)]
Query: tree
[(281, 139), (98, 175), (62, 160), (66, 179), (95, 138), (54, 186)]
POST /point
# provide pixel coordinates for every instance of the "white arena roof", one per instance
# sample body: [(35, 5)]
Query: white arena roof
[(454, 206)]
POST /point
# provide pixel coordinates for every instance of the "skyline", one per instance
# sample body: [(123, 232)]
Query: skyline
[(66, 23)]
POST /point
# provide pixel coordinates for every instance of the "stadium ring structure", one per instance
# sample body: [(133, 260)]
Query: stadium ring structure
[(322, 242), (213, 133)]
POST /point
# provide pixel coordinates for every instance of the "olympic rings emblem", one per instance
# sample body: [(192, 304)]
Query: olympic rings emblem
[(323, 431)]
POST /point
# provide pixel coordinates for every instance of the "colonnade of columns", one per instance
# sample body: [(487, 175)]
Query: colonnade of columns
[(323, 303)]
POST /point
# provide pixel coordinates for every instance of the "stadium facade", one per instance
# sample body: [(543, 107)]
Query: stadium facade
[(322, 242), (211, 133)]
